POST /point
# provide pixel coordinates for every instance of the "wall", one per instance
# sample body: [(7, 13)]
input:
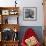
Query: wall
[(38, 5), (26, 3), (6, 3)]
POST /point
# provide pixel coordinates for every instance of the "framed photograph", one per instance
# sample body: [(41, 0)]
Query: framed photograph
[(9, 20), (30, 13), (13, 12), (12, 20), (5, 12)]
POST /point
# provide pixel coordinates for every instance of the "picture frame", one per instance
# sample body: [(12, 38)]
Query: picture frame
[(12, 19), (13, 12), (30, 13), (9, 19), (5, 12)]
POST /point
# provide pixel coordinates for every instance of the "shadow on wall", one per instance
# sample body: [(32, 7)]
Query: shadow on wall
[(37, 29)]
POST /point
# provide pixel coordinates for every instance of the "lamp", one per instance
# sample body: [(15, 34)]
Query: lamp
[(15, 3)]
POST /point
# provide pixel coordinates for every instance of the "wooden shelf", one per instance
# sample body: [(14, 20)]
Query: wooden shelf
[(9, 43), (9, 9), (5, 8), (11, 26), (4, 12)]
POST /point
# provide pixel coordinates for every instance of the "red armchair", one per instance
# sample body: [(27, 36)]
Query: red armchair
[(28, 34)]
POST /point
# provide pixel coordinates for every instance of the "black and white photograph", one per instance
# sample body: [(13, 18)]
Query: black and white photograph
[(30, 13)]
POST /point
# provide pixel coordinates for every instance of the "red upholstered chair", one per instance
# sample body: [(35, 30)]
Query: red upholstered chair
[(29, 33)]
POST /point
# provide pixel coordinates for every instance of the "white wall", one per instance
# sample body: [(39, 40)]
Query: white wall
[(38, 5), (27, 3), (7, 3)]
